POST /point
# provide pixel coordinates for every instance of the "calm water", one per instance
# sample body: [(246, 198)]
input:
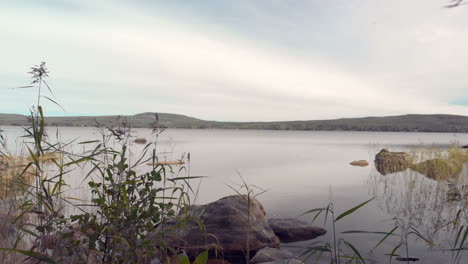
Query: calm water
[(303, 170)]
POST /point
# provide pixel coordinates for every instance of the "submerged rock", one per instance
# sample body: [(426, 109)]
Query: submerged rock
[(225, 223), (407, 259), (292, 230), (140, 141), (360, 163), (269, 254), (439, 169), (387, 162)]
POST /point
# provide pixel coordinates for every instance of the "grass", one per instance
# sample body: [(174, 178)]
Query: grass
[(336, 247), (421, 201), (417, 201), (126, 210), (248, 192)]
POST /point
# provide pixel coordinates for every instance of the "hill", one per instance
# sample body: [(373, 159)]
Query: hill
[(409, 123)]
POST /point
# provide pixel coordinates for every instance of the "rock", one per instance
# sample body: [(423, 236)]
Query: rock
[(387, 162), (225, 223), (269, 254), (285, 261), (140, 141), (292, 230), (407, 259), (439, 169), (360, 163)]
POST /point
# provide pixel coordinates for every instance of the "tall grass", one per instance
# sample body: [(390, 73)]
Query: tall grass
[(426, 201), (336, 247), (125, 219), (248, 192)]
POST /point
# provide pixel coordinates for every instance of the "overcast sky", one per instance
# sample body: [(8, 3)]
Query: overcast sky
[(238, 60)]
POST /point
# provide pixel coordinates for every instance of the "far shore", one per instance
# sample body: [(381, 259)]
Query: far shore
[(404, 123)]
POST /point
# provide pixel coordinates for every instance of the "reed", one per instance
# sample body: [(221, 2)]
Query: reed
[(128, 207)]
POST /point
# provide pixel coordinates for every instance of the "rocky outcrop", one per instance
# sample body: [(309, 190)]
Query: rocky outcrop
[(227, 229), (387, 162), (292, 230), (439, 169), (228, 224), (360, 163), (269, 254)]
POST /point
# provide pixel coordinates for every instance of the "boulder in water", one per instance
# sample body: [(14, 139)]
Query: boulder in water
[(269, 254), (227, 223), (387, 162), (292, 230)]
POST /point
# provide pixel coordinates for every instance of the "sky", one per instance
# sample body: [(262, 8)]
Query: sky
[(243, 60)]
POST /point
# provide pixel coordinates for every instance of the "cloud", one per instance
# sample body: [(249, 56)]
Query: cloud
[(124, 58)]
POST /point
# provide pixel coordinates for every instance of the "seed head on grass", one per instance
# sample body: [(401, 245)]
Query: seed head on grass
[(39, 72)]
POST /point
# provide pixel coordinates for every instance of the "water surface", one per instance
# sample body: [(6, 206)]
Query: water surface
[(302, 170)]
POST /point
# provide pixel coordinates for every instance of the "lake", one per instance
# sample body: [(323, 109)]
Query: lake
[(302, 170)]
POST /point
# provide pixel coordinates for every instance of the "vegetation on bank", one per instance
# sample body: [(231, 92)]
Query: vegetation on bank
[(124, 219), (403, 123)]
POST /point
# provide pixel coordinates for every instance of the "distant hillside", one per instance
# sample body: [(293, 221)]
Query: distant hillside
[(422, 123)]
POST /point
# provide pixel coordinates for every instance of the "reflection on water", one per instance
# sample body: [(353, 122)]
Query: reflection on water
[(424, 201)]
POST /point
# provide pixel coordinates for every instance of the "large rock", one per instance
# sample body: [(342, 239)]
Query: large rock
[(226, 223), (269, 254), (387, 162), (439, 169), (292, 230)]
